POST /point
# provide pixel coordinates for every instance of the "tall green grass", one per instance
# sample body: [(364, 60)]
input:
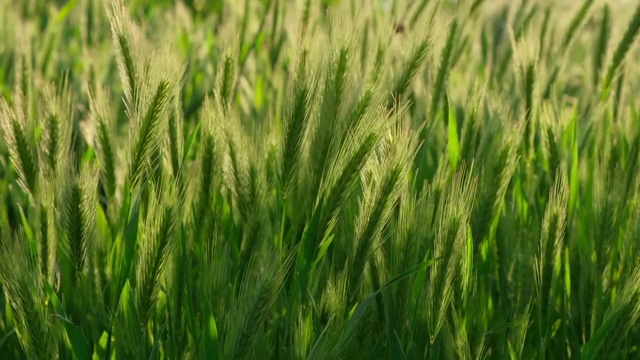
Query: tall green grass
[(319, 180)]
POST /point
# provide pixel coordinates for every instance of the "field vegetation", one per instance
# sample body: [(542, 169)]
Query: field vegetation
[(336, 179)]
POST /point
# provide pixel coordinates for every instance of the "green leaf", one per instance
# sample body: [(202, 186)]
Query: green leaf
[(324, 246), (156, 343), (102, 223), (211, 339), (28, 231), (469, 265), (190, 142), (419, 282), (454, 142), (574, 175), (316, 346), (130, 240), (65, 11), (512, 352), (591, 349), (567, 274), (79, 344), (396, 352), (101, 347), (6, 337), (8, 314)]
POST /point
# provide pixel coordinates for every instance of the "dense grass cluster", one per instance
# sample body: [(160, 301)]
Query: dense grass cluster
[(297, 179)]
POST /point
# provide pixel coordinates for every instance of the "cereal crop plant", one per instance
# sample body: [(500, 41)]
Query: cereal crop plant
[(296, 179)]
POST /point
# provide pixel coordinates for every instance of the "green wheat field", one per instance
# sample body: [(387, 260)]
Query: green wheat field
[(306, 179)]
